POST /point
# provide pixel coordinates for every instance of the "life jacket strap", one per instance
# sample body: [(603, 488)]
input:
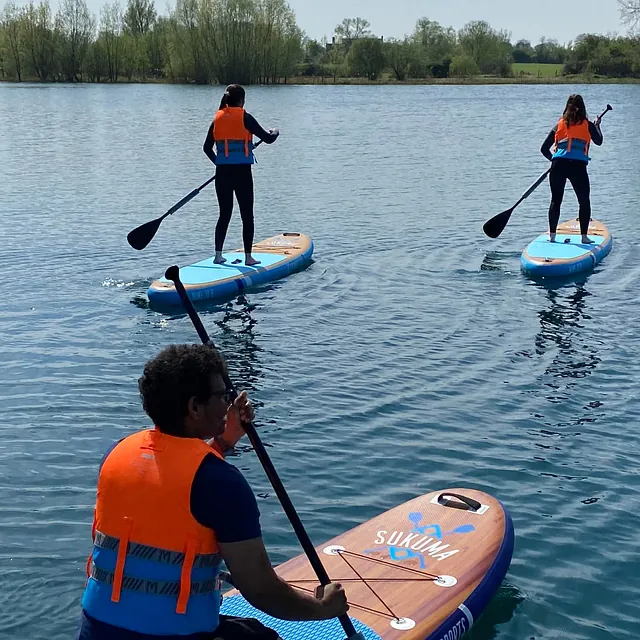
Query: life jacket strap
[(122, 556), (154, 587)]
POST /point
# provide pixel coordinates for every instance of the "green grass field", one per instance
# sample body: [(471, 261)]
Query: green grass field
[(537, 70)]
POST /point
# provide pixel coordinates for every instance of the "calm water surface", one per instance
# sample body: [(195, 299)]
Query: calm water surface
[(411, 356)]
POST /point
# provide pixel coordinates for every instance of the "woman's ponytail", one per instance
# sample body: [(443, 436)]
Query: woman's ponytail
[(224, 101), (233, 96)]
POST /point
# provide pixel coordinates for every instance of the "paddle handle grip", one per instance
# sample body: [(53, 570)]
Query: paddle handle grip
[(602, 115), (173, 273)]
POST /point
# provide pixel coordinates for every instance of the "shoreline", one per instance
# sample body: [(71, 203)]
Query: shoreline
[(317, 80), (480, 80)]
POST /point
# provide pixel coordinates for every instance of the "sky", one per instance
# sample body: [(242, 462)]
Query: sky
[(553, 19), (524, 19)]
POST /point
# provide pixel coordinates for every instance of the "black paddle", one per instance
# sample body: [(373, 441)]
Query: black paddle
[(173, 274), (141, 236), (494, 227)]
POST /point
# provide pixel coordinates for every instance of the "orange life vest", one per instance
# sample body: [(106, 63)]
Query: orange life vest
[(234, 143), (148, 544), (572, 142)]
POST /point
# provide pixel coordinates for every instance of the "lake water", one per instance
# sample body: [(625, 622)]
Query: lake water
[(411, 356)]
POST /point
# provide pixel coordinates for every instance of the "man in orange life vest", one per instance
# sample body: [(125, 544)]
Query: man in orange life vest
[(169, 509), (571, 139)]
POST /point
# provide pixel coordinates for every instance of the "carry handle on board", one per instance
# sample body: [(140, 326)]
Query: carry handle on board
[(469, 503), (173, 273)]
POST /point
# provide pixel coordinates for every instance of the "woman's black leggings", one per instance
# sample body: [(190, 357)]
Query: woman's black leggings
[(238, 179), (576, 172)]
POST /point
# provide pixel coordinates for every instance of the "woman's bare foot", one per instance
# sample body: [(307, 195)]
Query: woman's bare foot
[(586, 240), (219, 259), (250, 260), (552, 237)]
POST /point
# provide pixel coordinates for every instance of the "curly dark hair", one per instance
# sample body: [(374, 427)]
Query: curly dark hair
[(178, 373), (575, 111)]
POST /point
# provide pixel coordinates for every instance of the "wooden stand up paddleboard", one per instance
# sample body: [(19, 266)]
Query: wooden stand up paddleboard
[(424, 570), (279, 256), (567, 255)]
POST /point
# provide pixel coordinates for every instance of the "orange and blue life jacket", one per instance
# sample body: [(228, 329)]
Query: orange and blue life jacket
[(153, 568), (572, 142), (234, 143)]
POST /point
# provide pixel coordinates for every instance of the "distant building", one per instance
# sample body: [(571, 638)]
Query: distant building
[(338, 40)]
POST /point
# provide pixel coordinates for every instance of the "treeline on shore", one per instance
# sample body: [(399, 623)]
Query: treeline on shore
[(259, 41)]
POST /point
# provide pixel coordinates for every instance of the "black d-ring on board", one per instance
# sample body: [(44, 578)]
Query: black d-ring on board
[(469, 504)]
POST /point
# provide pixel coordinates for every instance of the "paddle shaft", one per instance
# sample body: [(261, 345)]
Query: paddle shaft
[(141, 236), (173, 273), (533, 187), (189, 196)]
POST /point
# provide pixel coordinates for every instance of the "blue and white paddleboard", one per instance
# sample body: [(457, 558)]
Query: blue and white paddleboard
[(424, 570), (567, 255), (279, 256)]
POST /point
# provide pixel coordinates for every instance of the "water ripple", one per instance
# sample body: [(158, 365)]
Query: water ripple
[(411, 355)]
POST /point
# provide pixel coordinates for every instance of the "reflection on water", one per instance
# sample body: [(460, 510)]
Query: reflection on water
[(561, 325), (501, 261), (500, 610), (390, 369), (565, 333), (237, 341)]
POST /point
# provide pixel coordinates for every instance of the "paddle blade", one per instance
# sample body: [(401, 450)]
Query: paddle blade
[(494, 227), (141, 236)]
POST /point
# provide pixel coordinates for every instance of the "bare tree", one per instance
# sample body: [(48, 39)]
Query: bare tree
[(437, 42), (111, 28), (351, 29), (630, 12), (10, 23), (77, 27), (39, 38), (139, 17)]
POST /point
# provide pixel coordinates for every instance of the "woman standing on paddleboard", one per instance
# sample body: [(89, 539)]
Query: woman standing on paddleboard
[(232, 132), (571, 138)]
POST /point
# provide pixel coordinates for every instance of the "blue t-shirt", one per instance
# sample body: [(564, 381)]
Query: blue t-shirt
[(221, 499)]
